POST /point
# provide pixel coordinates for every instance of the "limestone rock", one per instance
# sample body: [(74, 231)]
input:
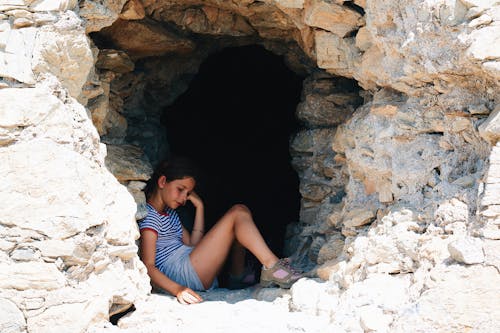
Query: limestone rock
[(12, 320), (127, 162), (331, 249), (483, 44), (490, 129), (358, 217), (145, 39), (132, 10), (136, 189), (16, 51), (30, 275), (467, 250), (99, 15), (468, 297), (210, 20), (335, 54), (16, 109), (51, 5), (56, 182), (72, 317), (315, 192), (114, 60), (332, 17), (291, 3), (326, 103), (309, 296), (373, 318), (363, 39), (99, 110), (63, 49)]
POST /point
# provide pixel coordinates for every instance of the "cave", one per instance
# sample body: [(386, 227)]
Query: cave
[(246, 101), (235, 121)]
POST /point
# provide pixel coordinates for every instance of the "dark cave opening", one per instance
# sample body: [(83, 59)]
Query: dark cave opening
[(235, 121)]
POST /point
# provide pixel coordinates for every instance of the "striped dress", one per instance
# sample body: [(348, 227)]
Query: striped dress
[(168, 228)]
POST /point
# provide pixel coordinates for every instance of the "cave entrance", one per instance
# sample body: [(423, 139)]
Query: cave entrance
[(235, 121)]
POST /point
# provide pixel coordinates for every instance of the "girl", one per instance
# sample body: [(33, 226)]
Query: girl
[(181, 262)]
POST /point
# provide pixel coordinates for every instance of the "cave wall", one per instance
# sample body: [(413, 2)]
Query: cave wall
[(401, 191)]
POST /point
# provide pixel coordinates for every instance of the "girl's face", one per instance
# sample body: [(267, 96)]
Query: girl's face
[(175, 192)]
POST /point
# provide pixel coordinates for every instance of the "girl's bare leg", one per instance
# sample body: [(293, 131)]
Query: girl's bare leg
[(238, 253), (211, 252)]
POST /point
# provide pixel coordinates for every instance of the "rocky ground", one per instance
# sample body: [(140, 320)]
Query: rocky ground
[(253, 309)]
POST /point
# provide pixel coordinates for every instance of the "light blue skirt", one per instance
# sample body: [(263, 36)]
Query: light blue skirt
[(178, 268)]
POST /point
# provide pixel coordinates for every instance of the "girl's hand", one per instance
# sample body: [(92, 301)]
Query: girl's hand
[(195, 199), (188, 296)]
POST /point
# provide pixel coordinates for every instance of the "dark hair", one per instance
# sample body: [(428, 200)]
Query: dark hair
[(177, 167)]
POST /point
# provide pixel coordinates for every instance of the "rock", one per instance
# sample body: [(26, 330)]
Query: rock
[(74, 317), (210, 20), (99, 109), (145, 39), (492, 253), (467, 250), (127, 162), (12, 319), (463, 297), (363, 39), (54, 248), (335, 54), (315, 192), (132, 10), (358, 217), (22, 22), (64, 50), (136, 189), (30, 275), (16, 109), (483, 44), (299, 4), (15, 60), (57, 191), (465, 181), (313, 296), (373, 318), (490, 129), (331, 249), (114, 60), (332, 17), (99, 15)]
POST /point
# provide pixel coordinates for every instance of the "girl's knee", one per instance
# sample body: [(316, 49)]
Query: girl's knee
[(240, 209)]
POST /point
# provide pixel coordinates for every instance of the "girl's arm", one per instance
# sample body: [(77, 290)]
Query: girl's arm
[(148, 251), (199, 222)]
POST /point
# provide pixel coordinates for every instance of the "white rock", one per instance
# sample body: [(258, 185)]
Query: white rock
[(15, 60), (313, 296), (484, 44), (467, 250), (55, 248), (16, 109), (373, 318), (30, 275), (463, 297), (64, 50), (490, 129), (52, 5), (71, 317), (12, 319)]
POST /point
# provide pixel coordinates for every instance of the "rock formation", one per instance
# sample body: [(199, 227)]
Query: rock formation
[(400, 181)]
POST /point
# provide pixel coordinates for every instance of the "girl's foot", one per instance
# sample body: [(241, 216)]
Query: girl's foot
[(281, 274)]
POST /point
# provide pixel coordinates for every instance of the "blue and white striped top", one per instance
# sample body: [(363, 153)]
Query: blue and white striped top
[(167, 226)]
